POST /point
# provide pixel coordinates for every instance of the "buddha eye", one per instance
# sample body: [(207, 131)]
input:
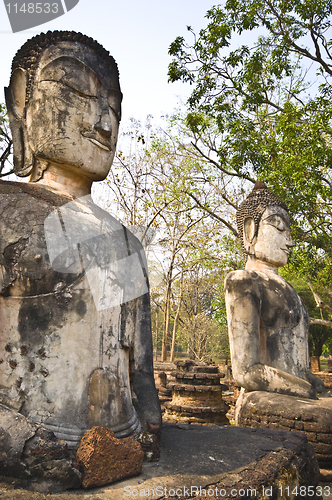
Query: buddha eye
[(114, 102), (79, 79), (80, 92), (277, 222)]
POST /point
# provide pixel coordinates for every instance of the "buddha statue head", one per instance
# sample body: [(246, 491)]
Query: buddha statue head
[(64, 106), (264, 228)]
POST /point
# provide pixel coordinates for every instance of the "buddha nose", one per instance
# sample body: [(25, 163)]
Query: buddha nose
[(104, 125), (289, 242)]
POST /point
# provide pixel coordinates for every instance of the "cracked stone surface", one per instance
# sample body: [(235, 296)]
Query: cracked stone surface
[(222, 457), (33, 457)]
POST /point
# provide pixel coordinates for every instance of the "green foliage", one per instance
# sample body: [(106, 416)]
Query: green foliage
[(273, 123)]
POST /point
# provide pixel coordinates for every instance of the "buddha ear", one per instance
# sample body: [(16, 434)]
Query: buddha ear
[(15, 101), (16, 93), (249, 229)]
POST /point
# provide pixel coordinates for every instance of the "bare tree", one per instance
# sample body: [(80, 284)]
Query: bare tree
[(6, 142)]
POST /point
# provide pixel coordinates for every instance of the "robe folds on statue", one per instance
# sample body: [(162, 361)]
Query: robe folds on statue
[(74, 310)]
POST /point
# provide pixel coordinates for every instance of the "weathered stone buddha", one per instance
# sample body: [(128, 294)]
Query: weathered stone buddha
[(267, 321), (75, 341)]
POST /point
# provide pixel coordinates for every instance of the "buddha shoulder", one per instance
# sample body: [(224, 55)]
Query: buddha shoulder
[(11, 190), (242, 277), (24, 258)]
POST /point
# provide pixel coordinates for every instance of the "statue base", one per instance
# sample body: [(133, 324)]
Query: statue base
[(271, 410), (200, 462)]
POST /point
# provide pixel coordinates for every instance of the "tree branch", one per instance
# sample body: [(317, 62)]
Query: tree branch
[(216, 164), (320, 303), (223, 221), (324, 322)]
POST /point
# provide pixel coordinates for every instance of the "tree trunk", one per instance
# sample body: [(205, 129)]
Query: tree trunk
[(157, 327), (166, 321), (176, 319), (192, 344)]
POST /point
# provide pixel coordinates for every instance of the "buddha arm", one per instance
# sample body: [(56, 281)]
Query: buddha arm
[(147, 403), (243, 303), (259, 377)]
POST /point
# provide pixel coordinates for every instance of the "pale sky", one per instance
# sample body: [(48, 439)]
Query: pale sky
[(137, 34)]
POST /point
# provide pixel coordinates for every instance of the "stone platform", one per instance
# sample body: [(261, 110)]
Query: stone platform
[(326, 378), (311, 417), (234, 460)]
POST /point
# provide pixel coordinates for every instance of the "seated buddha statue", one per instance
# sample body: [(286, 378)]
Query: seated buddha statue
[(75, 343), (267, 320)]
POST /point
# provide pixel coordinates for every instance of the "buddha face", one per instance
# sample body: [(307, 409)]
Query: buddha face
[(273, 240), (73, 114)]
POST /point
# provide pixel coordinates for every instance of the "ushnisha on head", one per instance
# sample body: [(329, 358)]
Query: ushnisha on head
[(264, 228), (64, 106)]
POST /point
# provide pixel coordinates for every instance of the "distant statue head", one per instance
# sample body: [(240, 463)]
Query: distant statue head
[(264, 227), (64, 105)]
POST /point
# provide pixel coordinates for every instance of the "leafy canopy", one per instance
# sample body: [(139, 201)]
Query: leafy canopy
[(270, 101)]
